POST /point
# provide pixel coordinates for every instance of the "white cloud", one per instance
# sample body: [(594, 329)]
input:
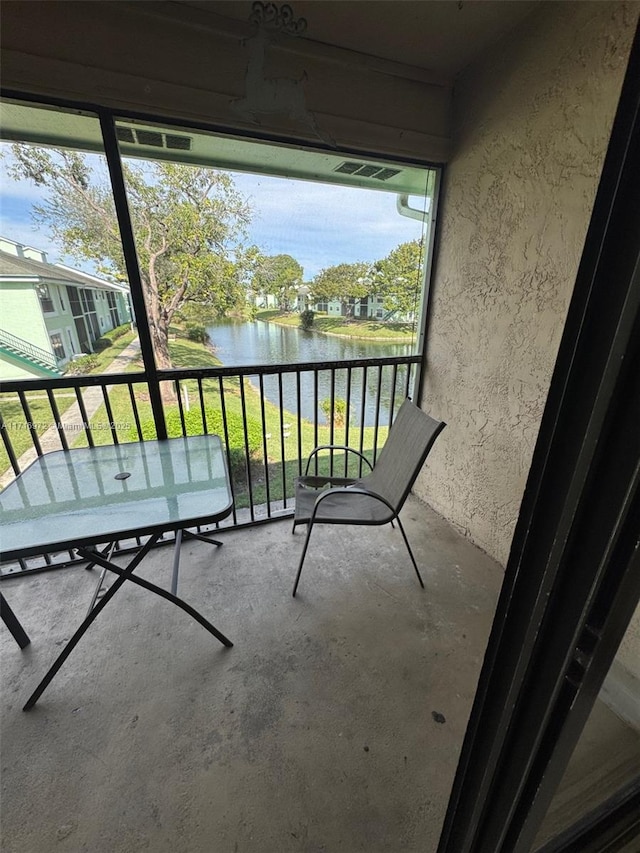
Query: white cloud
[(321, 224)]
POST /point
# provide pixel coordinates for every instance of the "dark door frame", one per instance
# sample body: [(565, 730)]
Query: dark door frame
[(572, 580)]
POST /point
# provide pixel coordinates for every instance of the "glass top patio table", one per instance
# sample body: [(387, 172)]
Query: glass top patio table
[(93, 495)]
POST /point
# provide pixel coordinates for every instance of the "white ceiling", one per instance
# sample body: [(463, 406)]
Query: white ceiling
[(442, 36)]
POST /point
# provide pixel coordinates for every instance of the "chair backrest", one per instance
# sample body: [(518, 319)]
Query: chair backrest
[(410, 439)]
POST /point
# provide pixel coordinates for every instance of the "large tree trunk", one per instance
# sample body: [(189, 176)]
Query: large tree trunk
[(160, 340), (159, 328), (159, 319)]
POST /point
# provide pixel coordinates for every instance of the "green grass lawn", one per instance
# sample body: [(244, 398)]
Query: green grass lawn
[(102, 360), (371, 329), (272, 473)]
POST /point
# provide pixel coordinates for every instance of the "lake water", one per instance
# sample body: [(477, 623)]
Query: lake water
[(240, 344)]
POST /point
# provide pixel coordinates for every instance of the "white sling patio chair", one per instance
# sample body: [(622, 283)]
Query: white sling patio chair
[(378, 497)]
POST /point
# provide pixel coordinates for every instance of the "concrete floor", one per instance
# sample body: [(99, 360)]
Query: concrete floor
[(316, 732)]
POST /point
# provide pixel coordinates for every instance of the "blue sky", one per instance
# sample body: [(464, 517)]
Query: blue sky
[(319, 224), (322, 225)]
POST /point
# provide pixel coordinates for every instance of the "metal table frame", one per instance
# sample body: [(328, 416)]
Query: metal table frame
[(86, 545), (13, 623)]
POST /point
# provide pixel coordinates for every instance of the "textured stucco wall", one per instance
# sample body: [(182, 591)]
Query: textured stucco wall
[(532, 121)]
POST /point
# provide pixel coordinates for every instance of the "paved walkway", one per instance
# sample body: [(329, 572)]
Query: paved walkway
[(72, 421)]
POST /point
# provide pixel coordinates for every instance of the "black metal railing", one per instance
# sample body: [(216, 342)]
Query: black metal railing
[(268, 416)]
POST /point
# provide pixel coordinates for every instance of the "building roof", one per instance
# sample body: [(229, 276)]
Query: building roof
[(14, 267)]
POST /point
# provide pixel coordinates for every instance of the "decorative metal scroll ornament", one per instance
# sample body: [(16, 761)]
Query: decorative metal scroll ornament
[(270, 16)]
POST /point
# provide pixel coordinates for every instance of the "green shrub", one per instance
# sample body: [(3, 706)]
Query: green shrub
[(194, 426), (306, 318), (81, 366), (196, 332), (340, 412), (105, 341), (102, 344), (118, 332)]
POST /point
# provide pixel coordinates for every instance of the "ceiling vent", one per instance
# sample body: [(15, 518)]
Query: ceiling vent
[(153, 138), (149, 137), (366, 170), (125, 134), (180, 143)]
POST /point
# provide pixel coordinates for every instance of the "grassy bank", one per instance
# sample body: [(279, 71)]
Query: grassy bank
[(275, 472), (372, 330)]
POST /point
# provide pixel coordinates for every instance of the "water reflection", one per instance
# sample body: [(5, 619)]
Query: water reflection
[(240, 344)]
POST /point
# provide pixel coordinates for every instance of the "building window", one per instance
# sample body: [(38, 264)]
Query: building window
[(113, 309), (62, 305), (89, 310), (57, 346), (46, 301)]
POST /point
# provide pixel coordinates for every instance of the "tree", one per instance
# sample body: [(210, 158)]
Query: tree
[(398, 277), (279, 276), (306, 319), (345, 282), (340, 411), (188, 222)]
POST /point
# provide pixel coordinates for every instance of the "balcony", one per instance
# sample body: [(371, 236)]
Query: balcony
[(264, 749), (334, 723)]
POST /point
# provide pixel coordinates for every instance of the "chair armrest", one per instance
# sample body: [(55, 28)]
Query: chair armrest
[(336, 447)]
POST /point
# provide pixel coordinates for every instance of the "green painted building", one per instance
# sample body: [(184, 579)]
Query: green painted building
[(51, 313)]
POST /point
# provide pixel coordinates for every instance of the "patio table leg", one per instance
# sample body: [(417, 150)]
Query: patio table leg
[(73, 642), (109, 551), (125, 574), (180, 535), (13, 623), (164, 594), (176, 562)]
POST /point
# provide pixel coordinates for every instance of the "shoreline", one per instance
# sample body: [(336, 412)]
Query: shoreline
[(390, 340)]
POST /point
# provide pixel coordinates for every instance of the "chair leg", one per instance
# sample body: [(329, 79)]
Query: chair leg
[(406, 542), (304, 553)]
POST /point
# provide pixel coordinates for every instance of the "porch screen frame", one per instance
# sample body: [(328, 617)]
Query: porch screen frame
[(108, 117)]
